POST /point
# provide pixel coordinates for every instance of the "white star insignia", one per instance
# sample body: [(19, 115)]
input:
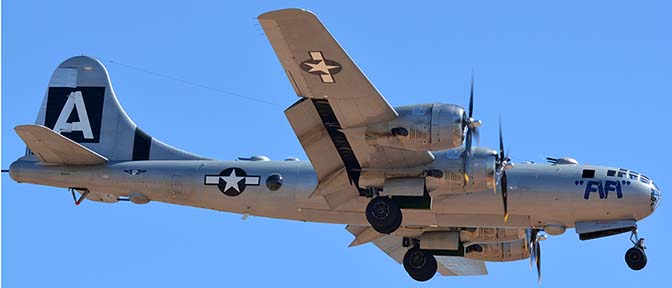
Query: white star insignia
[(236, 180), (232, 180), (322, 67)]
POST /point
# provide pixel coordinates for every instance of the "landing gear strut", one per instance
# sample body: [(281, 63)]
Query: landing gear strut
[(85, 192), (635, 256), (383, 214), (420, 265)]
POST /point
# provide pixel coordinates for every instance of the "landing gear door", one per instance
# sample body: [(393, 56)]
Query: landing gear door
[(597, 229), (404, 186)]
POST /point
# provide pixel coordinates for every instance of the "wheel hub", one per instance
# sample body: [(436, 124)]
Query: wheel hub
[(418, 260), (634, 257), (381, 210)]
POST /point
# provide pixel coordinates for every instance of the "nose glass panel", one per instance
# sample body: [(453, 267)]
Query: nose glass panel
[(655, 196)]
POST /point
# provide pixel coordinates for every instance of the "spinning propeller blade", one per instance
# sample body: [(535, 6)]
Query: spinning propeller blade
[(472, 131), (504, 196), (538, 252), (535, 252), (502, 161), (471, 97)]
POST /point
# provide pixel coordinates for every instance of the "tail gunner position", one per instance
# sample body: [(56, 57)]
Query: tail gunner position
[(408, 179)]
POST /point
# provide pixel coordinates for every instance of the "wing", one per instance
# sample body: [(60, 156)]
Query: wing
[(338, 103), (391, 245), (319, 68)]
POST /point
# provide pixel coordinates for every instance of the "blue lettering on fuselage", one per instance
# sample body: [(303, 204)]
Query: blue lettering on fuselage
[(594, 186), (603, 189), (613, 186)]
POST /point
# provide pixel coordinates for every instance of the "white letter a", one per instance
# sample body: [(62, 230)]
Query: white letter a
[(75, 100)]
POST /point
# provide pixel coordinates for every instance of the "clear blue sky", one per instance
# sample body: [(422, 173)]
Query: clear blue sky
[(586, 79)]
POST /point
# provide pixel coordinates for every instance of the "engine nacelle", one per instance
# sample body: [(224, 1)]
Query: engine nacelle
[(451, 165), (423, 127), (492, 235), (498, 252), (451, 240), (440, 240)]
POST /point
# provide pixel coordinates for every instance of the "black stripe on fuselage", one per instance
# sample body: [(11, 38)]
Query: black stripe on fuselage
[(141, 145), (338, 138)]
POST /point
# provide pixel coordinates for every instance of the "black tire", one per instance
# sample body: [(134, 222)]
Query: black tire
[(419, 264), (384, 215), (635, 258)]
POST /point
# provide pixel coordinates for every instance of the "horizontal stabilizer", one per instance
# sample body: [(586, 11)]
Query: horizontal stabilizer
[(51, 147)]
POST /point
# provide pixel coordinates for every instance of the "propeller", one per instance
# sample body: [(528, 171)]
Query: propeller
[(535, 250), (502, 163), (472, 131)]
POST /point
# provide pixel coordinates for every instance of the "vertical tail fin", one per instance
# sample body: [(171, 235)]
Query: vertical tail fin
[(81, 105)]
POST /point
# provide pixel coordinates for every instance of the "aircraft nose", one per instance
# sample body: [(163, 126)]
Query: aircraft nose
[(656, 196)]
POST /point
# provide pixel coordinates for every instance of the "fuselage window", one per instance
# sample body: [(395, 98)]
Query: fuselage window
[(621, 174), (587, 173), (634, 176), (611, 173), (644, 179)]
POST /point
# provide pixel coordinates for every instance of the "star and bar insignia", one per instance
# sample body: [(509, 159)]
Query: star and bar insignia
[(232, 181), (321, 66)]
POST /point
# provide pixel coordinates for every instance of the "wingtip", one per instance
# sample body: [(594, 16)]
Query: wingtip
[(284, 13)]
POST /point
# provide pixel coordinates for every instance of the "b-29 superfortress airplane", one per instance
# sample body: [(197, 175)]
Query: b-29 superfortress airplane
[(408, 179)]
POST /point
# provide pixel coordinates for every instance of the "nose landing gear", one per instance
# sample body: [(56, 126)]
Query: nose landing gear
[(635, 257)]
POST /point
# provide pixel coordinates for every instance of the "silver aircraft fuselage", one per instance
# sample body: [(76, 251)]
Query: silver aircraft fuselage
[(368, 162), (539, 194)]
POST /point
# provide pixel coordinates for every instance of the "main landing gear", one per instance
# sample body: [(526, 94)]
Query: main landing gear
[(635, 257), (420, 264), (384, 215)]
